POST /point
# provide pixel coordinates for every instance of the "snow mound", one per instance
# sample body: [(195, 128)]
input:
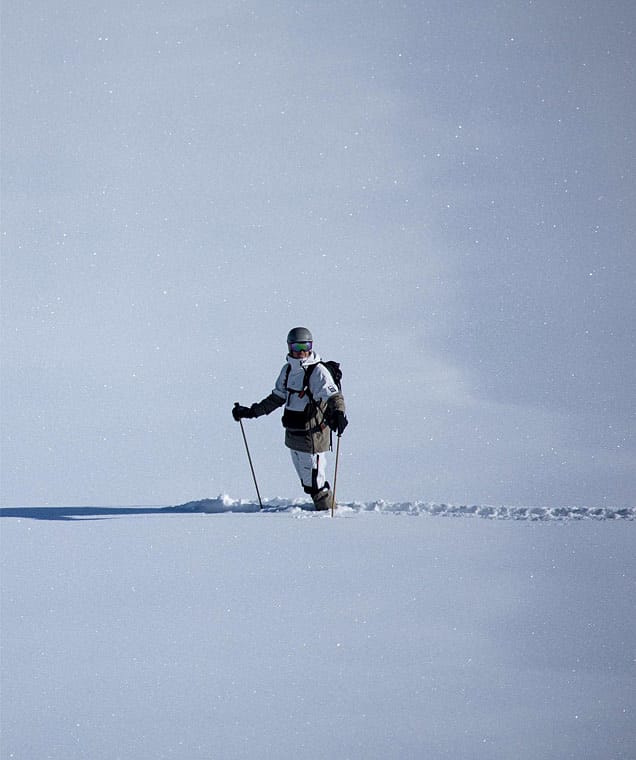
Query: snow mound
[(225, 503)]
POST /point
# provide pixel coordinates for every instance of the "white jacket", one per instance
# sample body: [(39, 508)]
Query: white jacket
[(291, 380)]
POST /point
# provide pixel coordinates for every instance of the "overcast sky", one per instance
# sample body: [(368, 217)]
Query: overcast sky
[(443, 192)]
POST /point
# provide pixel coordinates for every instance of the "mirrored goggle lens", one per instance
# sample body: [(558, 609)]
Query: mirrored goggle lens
[(296, 348)]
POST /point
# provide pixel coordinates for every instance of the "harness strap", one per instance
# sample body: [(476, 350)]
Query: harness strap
[(305, 389)]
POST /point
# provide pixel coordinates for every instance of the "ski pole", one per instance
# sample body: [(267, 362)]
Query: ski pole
[(249, 459), (335, 478)]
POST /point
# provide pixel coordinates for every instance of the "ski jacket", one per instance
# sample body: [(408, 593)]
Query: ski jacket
[(307, 406)]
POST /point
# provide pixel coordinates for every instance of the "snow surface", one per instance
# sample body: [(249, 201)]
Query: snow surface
[(213, 630)]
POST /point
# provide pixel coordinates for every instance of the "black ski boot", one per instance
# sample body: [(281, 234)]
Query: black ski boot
[(322, 499)]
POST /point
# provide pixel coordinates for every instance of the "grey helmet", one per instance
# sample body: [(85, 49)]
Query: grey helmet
[(299, 335)]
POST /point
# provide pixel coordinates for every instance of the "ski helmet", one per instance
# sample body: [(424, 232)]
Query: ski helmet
[(299, 335)]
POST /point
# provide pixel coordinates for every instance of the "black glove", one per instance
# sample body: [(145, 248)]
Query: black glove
[(242, 412), (338, 422)]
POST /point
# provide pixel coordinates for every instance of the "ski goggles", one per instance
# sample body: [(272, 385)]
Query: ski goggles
[(297, 348)]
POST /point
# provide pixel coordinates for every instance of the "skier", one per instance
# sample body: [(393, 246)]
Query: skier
[(314, 406)]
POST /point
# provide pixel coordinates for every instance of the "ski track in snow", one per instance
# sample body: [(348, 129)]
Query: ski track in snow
[(225, 504)]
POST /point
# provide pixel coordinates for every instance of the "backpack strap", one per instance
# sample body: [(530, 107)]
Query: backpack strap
[(308, 372), (305, 389), (289, 391)]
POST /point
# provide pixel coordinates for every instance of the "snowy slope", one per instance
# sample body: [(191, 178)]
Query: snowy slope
[(152, 633)]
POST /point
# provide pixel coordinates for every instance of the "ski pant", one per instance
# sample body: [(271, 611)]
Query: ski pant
[(311, 469)]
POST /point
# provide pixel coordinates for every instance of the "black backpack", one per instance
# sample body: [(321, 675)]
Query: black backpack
[(333, 368), (295, 421)]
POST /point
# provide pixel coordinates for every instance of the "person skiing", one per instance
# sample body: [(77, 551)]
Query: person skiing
[(314, 406)]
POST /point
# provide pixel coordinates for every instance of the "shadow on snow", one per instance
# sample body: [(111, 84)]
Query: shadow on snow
[(222, 505)]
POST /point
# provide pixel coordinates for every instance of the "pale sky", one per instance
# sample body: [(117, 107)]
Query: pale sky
[(443, 192)]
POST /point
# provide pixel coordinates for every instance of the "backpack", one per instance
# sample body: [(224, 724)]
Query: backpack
[(297, 420), (333, 368)]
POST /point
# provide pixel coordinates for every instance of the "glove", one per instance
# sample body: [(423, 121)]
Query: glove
[(242, 412), (338, 422)]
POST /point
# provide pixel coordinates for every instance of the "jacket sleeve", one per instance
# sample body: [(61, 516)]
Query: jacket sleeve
[(336, 403), (267, 405), (275, 399)]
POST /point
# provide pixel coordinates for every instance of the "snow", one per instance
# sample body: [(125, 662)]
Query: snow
[(215, 630)]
